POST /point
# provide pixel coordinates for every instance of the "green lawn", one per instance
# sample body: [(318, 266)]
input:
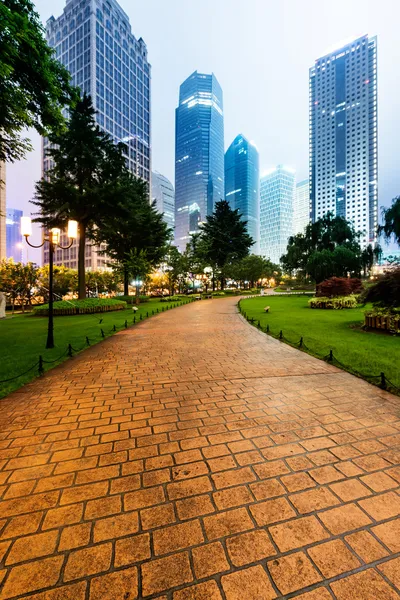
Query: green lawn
[(23, 339), (324, 330)]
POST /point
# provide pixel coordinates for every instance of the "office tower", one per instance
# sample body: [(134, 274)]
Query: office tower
[(13, 234), (199, 154), (2, 210), (301, 208), (93, 39), (277, 191), (344, 135), (242, 180), (163, 193)]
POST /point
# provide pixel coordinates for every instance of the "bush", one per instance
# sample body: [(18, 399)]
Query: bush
[(339, 286), (132, 299), (335, 303), (80, 307), (386, 291), (171, 299)]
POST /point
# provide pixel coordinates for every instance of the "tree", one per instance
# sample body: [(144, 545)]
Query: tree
[(386, 291), (225, 238), (81, 184), (133, 231), (65, 281), (391, 221), (34, 86), (175, 271), (17, 281), (252, 268)]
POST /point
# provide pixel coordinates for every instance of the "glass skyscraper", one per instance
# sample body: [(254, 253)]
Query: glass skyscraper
[(344, 135), (301, 208), (162, 191), (277, 191), (242, 181), (13, 234), (199, 154), (94, 40)]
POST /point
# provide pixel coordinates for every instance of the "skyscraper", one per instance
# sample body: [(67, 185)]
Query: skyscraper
[(344, 135), (199, 153), (277, 190), (242, 180), (2, 210), (301, 208), (163, 193), (13, 234), (93, 39)]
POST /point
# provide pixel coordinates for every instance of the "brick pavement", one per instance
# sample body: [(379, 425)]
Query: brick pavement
[(194, 458)]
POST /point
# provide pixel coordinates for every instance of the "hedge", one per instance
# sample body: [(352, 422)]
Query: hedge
[(333, 303), (132, 299), (80, 307), (171, 299)]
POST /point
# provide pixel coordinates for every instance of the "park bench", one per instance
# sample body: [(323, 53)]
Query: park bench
[(208, 296), (197, 297)]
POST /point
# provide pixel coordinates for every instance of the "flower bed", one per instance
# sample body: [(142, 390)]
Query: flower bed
[(80, 307), (333, 303), (383, 321)]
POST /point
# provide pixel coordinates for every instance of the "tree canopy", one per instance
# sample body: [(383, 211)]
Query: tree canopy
[(34, 86), (391, 221)]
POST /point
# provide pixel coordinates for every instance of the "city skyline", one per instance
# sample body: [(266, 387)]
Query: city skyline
[(277, 123)]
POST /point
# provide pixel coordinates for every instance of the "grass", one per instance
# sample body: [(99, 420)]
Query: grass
[(365, 352), (23, 339)]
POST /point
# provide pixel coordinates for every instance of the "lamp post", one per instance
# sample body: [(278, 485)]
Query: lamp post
[(53, 238), (138, 284), (207, 271)]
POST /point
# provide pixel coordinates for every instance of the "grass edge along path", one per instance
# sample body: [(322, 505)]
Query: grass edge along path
[(15, 375), (301, 338)]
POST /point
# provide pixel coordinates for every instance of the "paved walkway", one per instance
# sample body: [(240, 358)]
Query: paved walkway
[(194, 458)]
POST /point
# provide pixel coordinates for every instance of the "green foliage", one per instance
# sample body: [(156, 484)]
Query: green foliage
[(34, 86), (131, 299), (80, 186), (251, 268), (329, 247), (336, 303), (171, 299), (81, 307), (391, 221), (386, 291), (17, 281), (65, 281)]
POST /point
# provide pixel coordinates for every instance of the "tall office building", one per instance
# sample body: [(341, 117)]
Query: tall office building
[(93, 39), (242, 181), (163, 193), (13, 234), (2, 210), (277, 191), (344, 135), (301, 207), (199, 154)]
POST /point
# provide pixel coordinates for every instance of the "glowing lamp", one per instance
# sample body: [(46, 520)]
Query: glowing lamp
[(26, 226)]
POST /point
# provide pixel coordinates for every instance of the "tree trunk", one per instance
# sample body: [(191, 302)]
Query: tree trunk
[(81, 262), (213, 282), (126, 282), (137, 299), (222, 283)]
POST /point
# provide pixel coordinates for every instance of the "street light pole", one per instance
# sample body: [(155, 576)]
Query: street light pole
[(53, 239)]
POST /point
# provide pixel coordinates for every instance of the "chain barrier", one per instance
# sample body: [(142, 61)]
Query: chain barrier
[(382, 381), (70, 349)]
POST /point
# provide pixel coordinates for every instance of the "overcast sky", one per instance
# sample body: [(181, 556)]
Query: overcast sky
[(260, 51)]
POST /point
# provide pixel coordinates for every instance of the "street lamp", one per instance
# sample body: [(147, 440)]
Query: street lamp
[(53, 238)]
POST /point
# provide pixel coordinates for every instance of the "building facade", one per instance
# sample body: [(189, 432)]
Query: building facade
[(301, 208), (242, 181), (94, 41), (344, 135), (199, 154), (13, 234), (163, 193), (277, 192), (2, 210)]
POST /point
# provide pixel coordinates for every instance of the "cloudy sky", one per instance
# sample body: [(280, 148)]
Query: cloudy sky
[(260, 51)]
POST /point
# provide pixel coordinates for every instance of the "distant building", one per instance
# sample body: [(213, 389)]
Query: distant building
[(301, 208), (13, 234), (163, 193), (277, 191), (199, 154), (344, 135), (242, 181), (94, 41), (2, 210)]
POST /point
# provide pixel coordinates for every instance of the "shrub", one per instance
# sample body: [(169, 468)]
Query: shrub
[(171, 299), (335, 303), (338, 286), (132, 299), (80, 307), (386, 291), (217, 294)]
